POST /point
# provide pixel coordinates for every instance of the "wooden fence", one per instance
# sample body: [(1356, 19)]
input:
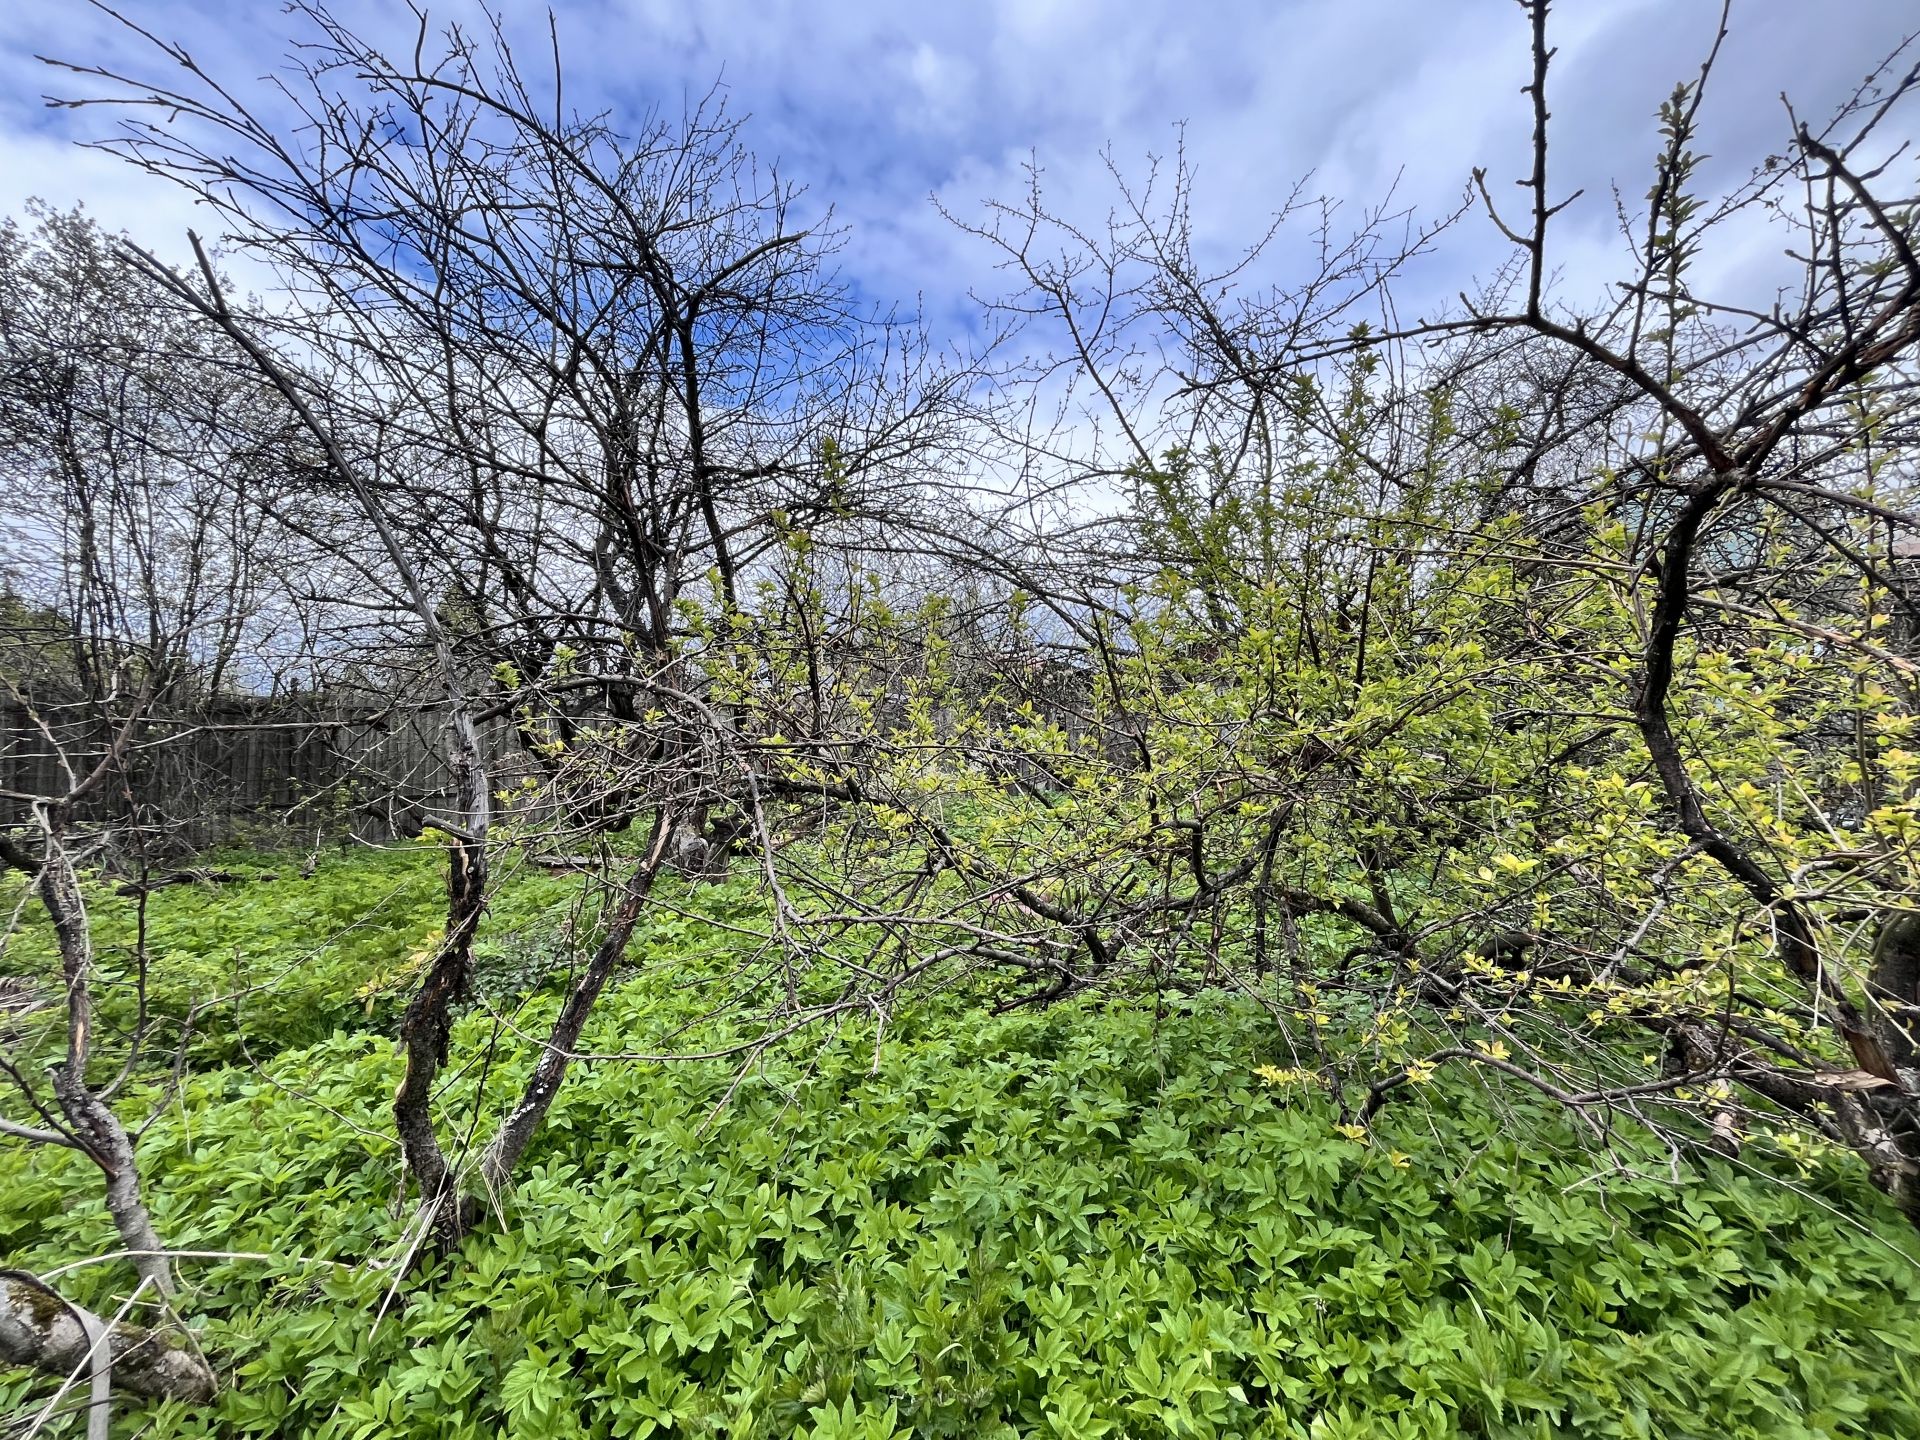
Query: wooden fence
[(232, 763)]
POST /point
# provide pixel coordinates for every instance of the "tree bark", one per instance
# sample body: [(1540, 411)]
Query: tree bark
[(92, 1123), (40, 1329)]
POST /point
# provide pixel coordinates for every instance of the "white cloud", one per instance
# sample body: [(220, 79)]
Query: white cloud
[(876, 106), (945, 86)]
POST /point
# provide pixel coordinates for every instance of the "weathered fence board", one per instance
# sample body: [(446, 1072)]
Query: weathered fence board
[(294, 762)]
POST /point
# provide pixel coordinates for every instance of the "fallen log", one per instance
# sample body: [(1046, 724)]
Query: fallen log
[(42, 1330)]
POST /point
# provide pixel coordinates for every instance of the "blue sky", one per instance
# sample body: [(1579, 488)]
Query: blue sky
[(878, 107)]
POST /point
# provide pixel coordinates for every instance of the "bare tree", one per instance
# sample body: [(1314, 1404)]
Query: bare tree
[(584, 386), (137, 513)]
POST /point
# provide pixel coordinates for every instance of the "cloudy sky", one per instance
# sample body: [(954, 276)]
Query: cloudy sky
[(880, 107)]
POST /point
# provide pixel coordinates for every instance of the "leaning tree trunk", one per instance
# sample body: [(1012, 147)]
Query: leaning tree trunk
[(510, 1141), (1886, 1124), (39, 1328), (91, 1120)]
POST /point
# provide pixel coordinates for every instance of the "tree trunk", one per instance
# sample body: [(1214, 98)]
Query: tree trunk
[(40, 1329), (91, 1119)]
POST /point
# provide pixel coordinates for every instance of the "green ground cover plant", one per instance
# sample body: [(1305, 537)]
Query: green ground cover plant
[(1104, 1219), (285, 950)]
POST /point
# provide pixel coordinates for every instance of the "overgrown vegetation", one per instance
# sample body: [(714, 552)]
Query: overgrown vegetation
[(1105, 1218), (1366, 880)]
